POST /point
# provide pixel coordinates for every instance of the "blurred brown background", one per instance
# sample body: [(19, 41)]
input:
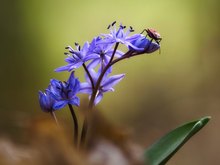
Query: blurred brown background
[(159, 92)]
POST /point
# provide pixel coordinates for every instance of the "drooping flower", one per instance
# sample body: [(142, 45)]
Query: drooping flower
[(46, 101), (148, 46), (121, 36), (101, 52), (106, 85), (65, 92), (77, 57)]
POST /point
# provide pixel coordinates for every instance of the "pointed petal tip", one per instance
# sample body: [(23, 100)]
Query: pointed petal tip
[(60, 69)]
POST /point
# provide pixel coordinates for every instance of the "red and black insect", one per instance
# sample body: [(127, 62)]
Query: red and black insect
[(153, 34)]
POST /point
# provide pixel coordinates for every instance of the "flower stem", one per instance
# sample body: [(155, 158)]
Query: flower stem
[(75, 124), (113, 54), (54, 117), (84, 131), (88, 73), (126, 55)]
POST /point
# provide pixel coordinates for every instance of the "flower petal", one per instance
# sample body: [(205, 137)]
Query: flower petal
[(63, 68), (98, 98), (85, 48), (85, 88), (94, 63), (60, 104), (108, 90), (43, 101), (91, 56), (76, 65), (112, 81), (73, 87), (152, 47), (70, 59), (133, 37), (74, 101)]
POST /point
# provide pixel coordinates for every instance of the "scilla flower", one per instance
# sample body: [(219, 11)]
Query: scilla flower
[(101, 52), (121, 36), (65, 92), (106, 84), (77, 57)]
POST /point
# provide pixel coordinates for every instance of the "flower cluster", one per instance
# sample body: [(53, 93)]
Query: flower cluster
[(58, 94), (97, 59), (99, 54)]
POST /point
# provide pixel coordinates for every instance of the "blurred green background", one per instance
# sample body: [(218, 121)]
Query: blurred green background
[(159, 92)]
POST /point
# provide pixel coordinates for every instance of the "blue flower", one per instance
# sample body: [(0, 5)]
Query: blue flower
[(46, 101), (65, 92), (121, 36), (106, 85), (145, 44), (101, 52), (76, 58)]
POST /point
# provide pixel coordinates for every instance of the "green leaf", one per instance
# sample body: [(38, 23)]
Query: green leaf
[(161, 151)]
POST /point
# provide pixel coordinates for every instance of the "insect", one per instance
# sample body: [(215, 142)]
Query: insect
[(153, 34)]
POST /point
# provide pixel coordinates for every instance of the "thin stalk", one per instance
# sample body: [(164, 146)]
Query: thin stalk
[(126, 55), (84, 131), (90, 77), (113, 54), (54, 117), (76, 127)]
